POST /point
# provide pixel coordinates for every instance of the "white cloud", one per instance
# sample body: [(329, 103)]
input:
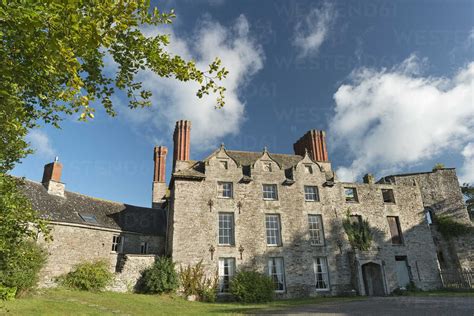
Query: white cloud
[(313, 29), (390, 118), (467, 170), (41, 144), (173, 100)]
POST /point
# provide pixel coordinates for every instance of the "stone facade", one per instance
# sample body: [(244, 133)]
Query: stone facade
[(73, 244), (193, 222)]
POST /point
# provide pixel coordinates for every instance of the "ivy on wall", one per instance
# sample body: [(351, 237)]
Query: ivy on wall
[(450, 228), (358, 232)]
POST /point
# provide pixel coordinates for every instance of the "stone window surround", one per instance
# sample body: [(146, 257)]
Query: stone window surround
[(278, 236), (230, 230), (220, 191), (321, 230), (391, 195), (399, 231), (355, 194), (318, 198), (274, 185)]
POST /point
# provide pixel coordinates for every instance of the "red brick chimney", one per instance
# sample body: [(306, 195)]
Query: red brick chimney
[(182, 141), (52, 178), (314, 142), (159, 176)]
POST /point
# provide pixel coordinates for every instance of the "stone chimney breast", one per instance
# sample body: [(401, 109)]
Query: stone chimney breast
[(52, 178)]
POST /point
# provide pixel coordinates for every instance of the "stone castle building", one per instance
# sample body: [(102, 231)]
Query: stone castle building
[(279, 214)]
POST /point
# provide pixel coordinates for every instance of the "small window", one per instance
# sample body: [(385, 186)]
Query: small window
[(88, 218), (267, 166), (143, 247), (226, 229), (224, 164), (308, 169), (270, 192), (272, 226), (276, 271), (321, 274), (316, 232), (224, 190), (388, 196), (395, 230), (429, 216), (311, 193), (226, 273), (117, 243), (351, 194)]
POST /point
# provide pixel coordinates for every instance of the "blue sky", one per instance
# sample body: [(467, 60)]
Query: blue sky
[(390, 82)]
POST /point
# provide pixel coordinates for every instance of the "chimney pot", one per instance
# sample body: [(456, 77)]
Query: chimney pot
[(52, 178)]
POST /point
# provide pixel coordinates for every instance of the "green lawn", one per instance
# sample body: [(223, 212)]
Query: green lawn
[(65, 302)]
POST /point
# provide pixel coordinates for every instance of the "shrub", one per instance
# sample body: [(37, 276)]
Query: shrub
[(88, 276), (450, 228), (20, 266), (7, 293), (195, 282), (161, 277), (252, 287), (359, 234)]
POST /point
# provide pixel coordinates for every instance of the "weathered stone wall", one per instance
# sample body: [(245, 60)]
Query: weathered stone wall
[(441, 194), (73, 244), (195, 225), (130, 272)]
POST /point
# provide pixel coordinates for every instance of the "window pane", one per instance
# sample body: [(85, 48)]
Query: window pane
[(226, 272), (272, 224), (316, 229), (321, 273), (270, 192), (225, 189), (351, 194), (226, 228), (311, 193), (277, 273), (387, 195)]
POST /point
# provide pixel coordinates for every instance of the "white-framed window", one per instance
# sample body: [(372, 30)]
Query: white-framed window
[(117, 243), (311, 193), (143, 247), (321, 274), (224, 190), (226, 228), (316, 231), (308, 169), (272, 225), (276, 271), (226, 272), (270, 192), (224, 164), (267, 166)]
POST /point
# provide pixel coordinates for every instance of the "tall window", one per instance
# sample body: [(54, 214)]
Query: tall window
[(272, 225), (117, 243), (351, 195), (320, 268), (226, 272), (143, 247), (311, 193), (395, 230), (277, 272), (316, 231), (270, 192), (226, 229), (388, 196), (224, 189)]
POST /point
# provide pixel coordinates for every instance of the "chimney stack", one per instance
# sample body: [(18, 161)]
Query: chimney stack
[(182, 142), (314, 142), (159, 176), (52, 178)]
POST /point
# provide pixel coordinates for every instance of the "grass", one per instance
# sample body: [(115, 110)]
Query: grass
[(66, 302)]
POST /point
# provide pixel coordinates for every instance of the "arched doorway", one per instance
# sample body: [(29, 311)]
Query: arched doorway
[(373, 279)]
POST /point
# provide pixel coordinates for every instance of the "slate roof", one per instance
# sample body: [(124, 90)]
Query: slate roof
[(108, 214), (246, 158)]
